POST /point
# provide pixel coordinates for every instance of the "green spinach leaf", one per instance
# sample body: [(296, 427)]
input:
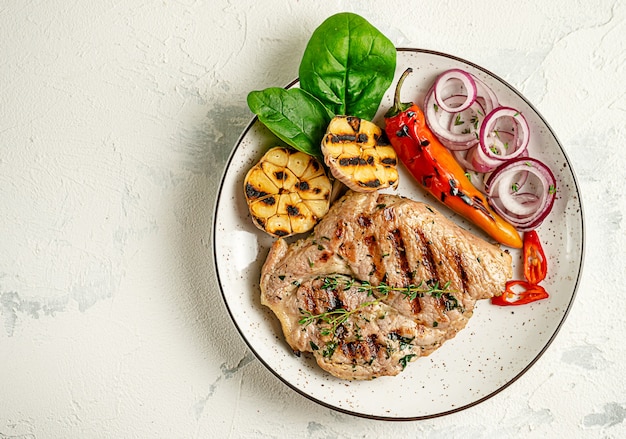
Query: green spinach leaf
[(294, 116), (348, 65)]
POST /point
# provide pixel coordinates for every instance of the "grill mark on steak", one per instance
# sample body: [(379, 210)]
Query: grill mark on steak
[(318, 300), (430, 265), (325, 256), (339, 230), (416, 306), (428, 257), (373, 250), (340, 334), (353, 350), (364, 220), (361, 351), (458, 258), (372, 344), (400, 253), (389, 214)]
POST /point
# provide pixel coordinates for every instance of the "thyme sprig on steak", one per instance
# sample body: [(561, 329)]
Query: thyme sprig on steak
[(338, 316)]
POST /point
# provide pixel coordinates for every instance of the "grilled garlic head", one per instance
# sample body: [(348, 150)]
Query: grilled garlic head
[(359, 155), (287, 192)]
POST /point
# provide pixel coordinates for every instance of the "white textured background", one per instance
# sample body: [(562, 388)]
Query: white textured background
[(116, 119)]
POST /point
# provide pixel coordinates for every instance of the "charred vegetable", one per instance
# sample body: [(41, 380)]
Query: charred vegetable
[(287, 192), (359, 155)]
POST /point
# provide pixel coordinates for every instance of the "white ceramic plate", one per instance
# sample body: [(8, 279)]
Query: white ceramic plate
[(498, 345)]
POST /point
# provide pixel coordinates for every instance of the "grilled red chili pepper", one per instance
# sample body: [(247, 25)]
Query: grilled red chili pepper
[(529, 293), (436, 169), (535, 263)]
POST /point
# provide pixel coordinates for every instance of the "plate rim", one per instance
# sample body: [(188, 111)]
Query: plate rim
[(478, 401)]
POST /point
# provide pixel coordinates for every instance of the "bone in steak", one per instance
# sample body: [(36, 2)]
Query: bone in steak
[(381, 281)]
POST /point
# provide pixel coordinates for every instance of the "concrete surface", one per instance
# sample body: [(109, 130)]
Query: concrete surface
[(116, 120)]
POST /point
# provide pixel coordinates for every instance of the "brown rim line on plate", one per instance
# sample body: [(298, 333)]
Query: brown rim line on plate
[(497, 346)]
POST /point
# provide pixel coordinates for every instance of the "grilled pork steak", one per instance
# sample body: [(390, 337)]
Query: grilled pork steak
[(381, 281)]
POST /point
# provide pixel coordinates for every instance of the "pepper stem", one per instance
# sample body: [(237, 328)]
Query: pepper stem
[(399, 107)]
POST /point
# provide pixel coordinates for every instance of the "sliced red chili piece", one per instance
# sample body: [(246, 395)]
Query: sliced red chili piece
[(535, 263), (513, 296)]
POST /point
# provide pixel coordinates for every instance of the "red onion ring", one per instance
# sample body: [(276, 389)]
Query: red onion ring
[(485, 96), (482, 162), (499, 142), (440, 123), (459, 128), (449, 80), (522, 191), (468, 161)]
